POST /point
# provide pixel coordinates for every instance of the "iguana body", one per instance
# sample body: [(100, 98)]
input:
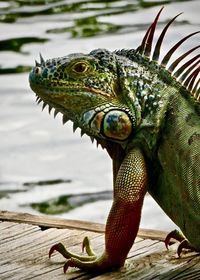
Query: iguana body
[(149, 123)]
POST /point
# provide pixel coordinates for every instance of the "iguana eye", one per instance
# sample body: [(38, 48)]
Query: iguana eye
[(80, 67)]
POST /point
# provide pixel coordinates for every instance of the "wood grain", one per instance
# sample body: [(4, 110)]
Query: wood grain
[(24, 251), (49, 222)]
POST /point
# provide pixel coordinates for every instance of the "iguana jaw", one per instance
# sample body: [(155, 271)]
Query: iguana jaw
[(94, 110), (73, 97), (89, 121), (65, 101)]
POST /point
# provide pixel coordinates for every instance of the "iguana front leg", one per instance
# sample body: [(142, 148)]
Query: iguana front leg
[(123, 220)]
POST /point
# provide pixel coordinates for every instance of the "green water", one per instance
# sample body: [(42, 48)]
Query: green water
[(44, 167)]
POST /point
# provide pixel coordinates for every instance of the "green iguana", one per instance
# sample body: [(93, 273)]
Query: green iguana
[(146, 115)]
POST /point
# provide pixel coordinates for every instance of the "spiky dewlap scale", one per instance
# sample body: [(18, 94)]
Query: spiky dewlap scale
[(188, 73)]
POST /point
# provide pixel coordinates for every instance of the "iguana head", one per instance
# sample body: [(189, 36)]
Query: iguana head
[(111, 94), (86, 90)]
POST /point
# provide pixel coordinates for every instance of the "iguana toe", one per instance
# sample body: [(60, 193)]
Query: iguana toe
[(98, 265), (175, 234), (184, 243), (68, 255), (87, 246), (90, 262)]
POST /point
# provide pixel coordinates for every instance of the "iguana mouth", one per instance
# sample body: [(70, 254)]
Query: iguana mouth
[(42, 90)]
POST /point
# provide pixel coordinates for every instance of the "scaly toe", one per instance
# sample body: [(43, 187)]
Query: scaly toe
[(101, 264), (59, 247), (87, 246), (68, 264), (53, 249), (175, 234), (68, 255), (184, 245)]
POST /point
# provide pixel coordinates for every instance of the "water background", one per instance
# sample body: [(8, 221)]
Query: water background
[(44, 167)]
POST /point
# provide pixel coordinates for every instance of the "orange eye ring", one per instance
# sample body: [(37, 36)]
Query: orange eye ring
[(80, 67)]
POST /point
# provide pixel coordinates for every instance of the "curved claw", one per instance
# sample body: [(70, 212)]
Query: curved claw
[(175, 234), (84, 243), (68, 264), (87, 246), (89, 263), (59, 247), (184, 245), (52, 249), (167, 240), (101, 264)]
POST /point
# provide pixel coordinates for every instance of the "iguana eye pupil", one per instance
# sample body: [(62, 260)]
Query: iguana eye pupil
[(80, 67)]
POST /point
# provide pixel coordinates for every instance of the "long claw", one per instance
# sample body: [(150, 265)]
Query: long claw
[(68, 255), (92, 266), (59, 247), (68, 264), (184, 245), (52, 249), (84, 244), (87, 246), (167, 240), (175, 234)]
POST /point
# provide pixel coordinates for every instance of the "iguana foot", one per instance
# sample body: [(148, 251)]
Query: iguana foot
[(184, 243), (90, 262), (67, 254)]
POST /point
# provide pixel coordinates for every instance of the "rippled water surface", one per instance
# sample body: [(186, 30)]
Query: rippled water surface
[(44, 167)]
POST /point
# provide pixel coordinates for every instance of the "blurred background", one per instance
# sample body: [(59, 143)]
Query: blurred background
[(44, 167)]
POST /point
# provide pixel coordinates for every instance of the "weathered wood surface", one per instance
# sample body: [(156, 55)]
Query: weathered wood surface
[(52, 222), (25, 241)]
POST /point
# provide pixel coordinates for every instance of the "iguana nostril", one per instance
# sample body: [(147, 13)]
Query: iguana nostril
[(37, 70)]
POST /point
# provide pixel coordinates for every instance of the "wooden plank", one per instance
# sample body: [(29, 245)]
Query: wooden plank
[(28, 256), (25, 256), (49, 222), (19, 230)]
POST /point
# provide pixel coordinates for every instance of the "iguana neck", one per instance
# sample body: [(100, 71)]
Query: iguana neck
[(146, 87), (148, 90)]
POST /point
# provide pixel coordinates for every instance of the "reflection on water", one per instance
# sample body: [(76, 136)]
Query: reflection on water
[(44, 166)]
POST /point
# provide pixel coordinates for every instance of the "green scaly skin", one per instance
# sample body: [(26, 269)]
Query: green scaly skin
[(149, 126)]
